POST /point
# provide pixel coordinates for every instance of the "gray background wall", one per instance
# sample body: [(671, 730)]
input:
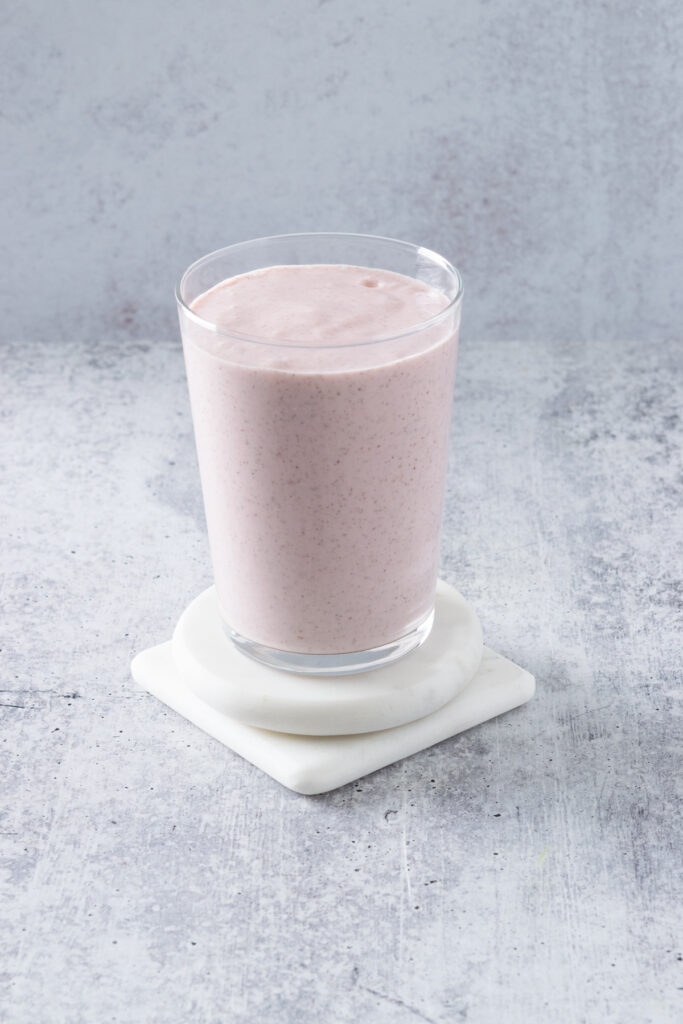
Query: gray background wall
[(538, 145)]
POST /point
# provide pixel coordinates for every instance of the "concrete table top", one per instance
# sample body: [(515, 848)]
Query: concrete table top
[(523, 871)]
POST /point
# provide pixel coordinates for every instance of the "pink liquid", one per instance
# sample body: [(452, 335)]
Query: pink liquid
[(322, 457)]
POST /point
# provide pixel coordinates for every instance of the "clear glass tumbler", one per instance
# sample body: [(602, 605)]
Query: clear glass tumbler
[(323, 467)]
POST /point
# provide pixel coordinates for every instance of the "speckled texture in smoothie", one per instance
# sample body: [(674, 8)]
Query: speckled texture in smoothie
[(322, 457)]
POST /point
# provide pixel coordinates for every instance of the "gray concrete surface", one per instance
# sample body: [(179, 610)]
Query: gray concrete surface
[(527, 871), (537, 145)]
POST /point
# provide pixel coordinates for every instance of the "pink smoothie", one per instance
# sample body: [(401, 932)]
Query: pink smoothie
[(322, 451)]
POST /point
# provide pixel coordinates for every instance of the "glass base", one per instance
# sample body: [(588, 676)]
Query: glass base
[(333, 664)]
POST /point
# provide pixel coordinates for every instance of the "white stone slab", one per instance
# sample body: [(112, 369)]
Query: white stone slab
[(316, 764), (383, 698)]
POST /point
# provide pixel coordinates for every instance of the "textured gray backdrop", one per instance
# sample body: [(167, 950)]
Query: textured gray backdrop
[(537, 145)]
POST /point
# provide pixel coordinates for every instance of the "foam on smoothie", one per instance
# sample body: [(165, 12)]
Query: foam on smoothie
[(321, 304)]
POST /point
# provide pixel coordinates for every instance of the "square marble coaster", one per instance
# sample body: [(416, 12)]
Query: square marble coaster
[(317, 764)]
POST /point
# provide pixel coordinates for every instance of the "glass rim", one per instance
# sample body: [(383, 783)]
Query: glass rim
[(433, 321)]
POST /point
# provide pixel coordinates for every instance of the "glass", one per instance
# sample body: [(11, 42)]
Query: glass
[(323, 466)]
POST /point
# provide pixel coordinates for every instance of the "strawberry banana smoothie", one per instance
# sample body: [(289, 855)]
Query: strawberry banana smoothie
[(322, 452)]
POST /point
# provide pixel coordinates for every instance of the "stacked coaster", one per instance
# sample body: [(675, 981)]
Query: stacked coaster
[(315, 733)]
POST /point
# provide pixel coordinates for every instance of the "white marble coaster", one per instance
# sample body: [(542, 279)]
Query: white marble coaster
[(255, 694), (315, 764)]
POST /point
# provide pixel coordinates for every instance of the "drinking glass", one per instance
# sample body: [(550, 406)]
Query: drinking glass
[(323, 466)]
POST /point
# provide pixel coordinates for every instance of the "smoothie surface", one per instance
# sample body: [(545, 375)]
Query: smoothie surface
[(320, 304)]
